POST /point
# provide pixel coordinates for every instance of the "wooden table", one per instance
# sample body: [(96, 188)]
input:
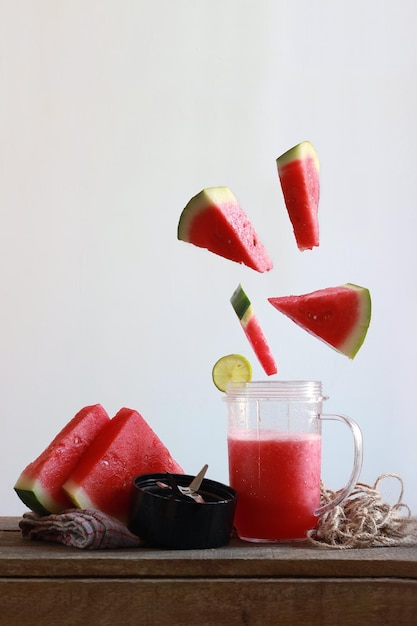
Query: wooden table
[(44, 583)]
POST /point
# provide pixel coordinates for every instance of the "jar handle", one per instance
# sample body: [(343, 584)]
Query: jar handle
[(357, 461)]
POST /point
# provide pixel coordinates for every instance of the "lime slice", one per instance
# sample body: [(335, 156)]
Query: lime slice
[(234, 367)]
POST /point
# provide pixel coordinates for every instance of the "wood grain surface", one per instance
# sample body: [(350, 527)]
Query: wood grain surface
[(239, 584)]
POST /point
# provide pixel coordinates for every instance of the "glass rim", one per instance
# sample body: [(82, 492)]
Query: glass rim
[(301, 390)]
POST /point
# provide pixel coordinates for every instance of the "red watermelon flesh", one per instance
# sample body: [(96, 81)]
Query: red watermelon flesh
[(253, 331), (213, 219), (39, 486), (126, 448), (339, 316), (298, 171)]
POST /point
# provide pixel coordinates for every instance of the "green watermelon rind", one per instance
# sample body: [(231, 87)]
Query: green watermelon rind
[(36, 498), (198, 203), (355, 341), (301, 151), (78, 495), (241, 303)]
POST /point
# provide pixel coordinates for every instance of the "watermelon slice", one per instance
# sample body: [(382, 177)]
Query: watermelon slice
[(39, 486), (339, 316), (126, 448), (298, 171), (213, 219), (252, 329)]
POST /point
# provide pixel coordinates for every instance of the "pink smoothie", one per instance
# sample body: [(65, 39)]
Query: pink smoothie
[(277, 477)]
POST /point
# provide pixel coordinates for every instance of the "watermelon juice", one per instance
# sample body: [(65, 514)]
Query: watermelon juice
[(277, 478)]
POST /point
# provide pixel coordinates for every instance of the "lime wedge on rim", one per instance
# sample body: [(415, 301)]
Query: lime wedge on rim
[(233, 367)]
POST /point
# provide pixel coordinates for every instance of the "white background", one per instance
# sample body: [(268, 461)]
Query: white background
[(112, 115)]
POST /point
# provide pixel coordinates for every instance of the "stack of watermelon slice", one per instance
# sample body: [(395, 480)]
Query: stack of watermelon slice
[(214, 219), (91, 464)]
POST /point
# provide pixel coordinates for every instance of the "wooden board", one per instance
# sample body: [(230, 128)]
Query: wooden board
[(238, 584), (210, 602)]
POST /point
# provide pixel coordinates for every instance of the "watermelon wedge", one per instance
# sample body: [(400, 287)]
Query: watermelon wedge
[(39, 486), (213, 219), (126, 448), (298, 171), (339, 316), (253, 331)]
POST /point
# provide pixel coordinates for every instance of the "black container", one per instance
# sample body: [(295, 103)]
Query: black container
[(164, 519)]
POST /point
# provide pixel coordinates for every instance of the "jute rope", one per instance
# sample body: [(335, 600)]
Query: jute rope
[(364, 520)]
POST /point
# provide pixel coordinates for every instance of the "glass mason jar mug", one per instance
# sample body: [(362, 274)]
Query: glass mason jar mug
[(274, 446)]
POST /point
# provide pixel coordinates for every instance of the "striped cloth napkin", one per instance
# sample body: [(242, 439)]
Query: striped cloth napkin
[(79, 528)]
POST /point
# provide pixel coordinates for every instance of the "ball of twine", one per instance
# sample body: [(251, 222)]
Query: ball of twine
[(364, 519)]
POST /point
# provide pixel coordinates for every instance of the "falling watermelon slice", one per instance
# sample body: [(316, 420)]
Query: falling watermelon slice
[(298, 171), (339, 316), (39, 486), (253, 331), (126, 448), (213, 219)]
